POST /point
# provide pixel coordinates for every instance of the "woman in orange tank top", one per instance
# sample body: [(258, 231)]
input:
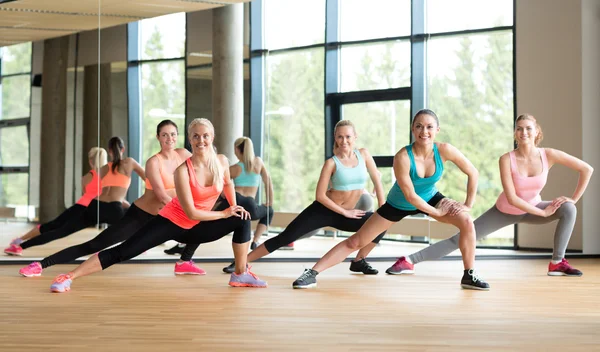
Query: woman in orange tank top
[(90, 183), (187, 218), (159, 187), (107, 207)]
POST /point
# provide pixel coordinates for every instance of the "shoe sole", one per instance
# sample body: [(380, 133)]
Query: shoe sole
[(31, 275), (15, 254), (469, 287), (362, 272), (403, 272), (241, 284), (560, 273), (59, 291), (190, 273), (305, 287)]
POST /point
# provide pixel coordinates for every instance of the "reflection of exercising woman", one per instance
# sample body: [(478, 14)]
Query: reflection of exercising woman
[(91, 186), (107, 207), (160, 188)]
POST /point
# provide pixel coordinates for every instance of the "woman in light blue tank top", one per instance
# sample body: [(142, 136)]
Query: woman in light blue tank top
[(417, 167), (341, 184)]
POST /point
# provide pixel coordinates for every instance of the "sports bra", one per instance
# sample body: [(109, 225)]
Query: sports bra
[(246, 179), (204, 198), (168, 179), (526, 188), (424, 186), (115, 179), (91, 190), (349, 178)]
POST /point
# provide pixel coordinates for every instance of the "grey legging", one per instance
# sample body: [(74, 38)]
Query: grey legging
[(493, 220)]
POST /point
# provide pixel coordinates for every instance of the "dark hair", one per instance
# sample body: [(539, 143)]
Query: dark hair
[(164, 123), (115, 144), (426, 112)]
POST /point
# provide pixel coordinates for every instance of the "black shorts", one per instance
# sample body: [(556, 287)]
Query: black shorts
[(391, 213)]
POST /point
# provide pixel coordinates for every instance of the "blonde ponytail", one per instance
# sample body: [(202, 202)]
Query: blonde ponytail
[(246, 147), (214, 165), (98, 157)]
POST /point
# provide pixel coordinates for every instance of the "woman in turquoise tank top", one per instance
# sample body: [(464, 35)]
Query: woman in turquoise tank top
[(417, 168)]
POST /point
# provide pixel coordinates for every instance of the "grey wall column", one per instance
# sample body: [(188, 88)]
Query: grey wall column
[(53, 134), (228, 79), (90, 109)]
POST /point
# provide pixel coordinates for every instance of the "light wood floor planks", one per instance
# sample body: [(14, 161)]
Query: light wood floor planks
[(144, 307)]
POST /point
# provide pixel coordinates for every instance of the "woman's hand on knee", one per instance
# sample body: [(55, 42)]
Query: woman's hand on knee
[(237, 211)]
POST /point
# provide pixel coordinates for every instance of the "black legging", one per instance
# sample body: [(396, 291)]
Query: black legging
[(109, 213), (159, 229), (134, 219), (75, 211), (257, 212), (315, 217)]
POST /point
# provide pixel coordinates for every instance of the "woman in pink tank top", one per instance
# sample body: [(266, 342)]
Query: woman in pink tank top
[(187, 218), (524, 172)]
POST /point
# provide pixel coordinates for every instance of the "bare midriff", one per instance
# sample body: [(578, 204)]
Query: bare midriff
[(345, 199), (150, 203), (247, 191), (112, 194)]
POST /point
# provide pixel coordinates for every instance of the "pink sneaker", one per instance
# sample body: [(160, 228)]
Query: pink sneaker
[(61, 284), (31, 270), (563, 269), (14, 249), (247, 279), (188, 268), (401, 266), (288, 247)]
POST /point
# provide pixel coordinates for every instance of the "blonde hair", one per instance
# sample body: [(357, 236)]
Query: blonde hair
[(214, 165), (98, 156), (341, 123), (540, 134), (246, 147)]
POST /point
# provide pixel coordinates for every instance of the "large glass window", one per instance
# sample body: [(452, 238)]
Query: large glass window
[(375, 66), (457, 15), (14, 190), (291, 23), (16, 59), (16, 93), (14, 146), (163, 37), (294, 132), (470, 86), (374, 19)]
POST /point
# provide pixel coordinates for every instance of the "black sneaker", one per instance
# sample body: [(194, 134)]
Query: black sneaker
[(178, 249), (229, 269), (471, 281), (362, 266), (253, 245), (308, 279)]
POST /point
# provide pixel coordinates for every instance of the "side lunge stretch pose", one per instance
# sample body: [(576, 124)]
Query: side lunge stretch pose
[(418, 167), (524, 172), (187, 218), (160, 189)]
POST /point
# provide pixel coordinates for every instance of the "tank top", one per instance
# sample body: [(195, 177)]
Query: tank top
[(91, 190), (168, 179), (246, 179), (349, 178), (526, 188), (204, 198), (424, 186), (115, 178)]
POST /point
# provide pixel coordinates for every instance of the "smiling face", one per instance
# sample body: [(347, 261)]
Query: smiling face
[(167, 137), (201, 138), (424, 128), (345, 136), (526, 131)]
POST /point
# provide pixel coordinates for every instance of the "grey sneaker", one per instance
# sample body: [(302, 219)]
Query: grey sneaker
[(247, 279), (308, 279)]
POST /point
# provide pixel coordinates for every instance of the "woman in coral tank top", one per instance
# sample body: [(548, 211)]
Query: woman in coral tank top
[(187, 218)]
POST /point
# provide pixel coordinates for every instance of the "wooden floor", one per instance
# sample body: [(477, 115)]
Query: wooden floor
[(144, 307)]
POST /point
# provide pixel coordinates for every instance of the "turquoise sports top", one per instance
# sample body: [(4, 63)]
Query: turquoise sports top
[(349, 178), (246, 179), (424, 187)]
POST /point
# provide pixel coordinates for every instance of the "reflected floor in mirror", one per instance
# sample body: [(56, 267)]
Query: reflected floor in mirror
[(307, 249), (144, 307)]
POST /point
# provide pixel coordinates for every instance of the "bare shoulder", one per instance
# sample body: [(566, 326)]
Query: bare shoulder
[(183, 153), (223, 160), (364, 152)]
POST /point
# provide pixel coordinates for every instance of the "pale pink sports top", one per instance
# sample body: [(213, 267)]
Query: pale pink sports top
[(527, 188), (204, 199)]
